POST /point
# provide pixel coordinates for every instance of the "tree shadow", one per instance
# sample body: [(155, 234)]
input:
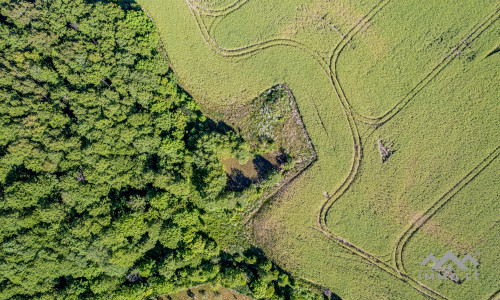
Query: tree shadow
[(262, 166), (237, 181)]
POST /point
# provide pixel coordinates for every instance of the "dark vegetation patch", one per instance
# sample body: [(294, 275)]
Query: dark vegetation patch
[(241, 176), (272, 126), (385, 151), (251, 263), (111, 184), (494, 51)]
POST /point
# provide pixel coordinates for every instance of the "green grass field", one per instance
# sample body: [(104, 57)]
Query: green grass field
[(419, 75), (399, 49)]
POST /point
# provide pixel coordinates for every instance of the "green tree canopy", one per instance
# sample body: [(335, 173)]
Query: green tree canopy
[(111, 181)]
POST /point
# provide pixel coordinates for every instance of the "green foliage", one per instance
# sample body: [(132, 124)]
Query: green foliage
[(111, 181), (446, 129)]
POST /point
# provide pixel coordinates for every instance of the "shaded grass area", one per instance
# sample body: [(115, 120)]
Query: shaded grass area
[(241, 176)]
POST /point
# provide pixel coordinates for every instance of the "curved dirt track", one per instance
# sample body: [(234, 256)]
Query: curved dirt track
[(352, 116)]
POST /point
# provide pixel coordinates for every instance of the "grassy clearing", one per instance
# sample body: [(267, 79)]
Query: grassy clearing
[(436, 139), (398, 49)]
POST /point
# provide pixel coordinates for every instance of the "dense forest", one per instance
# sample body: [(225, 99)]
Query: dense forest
[(111, 181)]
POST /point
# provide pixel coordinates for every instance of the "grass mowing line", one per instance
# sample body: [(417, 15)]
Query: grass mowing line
[(403, 240), (218, 12), (462, 45)]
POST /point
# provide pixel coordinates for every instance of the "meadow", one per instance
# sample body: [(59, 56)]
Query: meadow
[(420, 76)]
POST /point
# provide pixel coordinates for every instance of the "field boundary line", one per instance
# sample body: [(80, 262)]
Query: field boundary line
[(434, 208)]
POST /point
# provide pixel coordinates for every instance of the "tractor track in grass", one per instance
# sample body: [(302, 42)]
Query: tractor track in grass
[(356, 138), (357, 157), (461, 46), (331, 70), (250, 49), (495, 296), (351, 115), (431, 211), (218, 12), (424, 290)]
